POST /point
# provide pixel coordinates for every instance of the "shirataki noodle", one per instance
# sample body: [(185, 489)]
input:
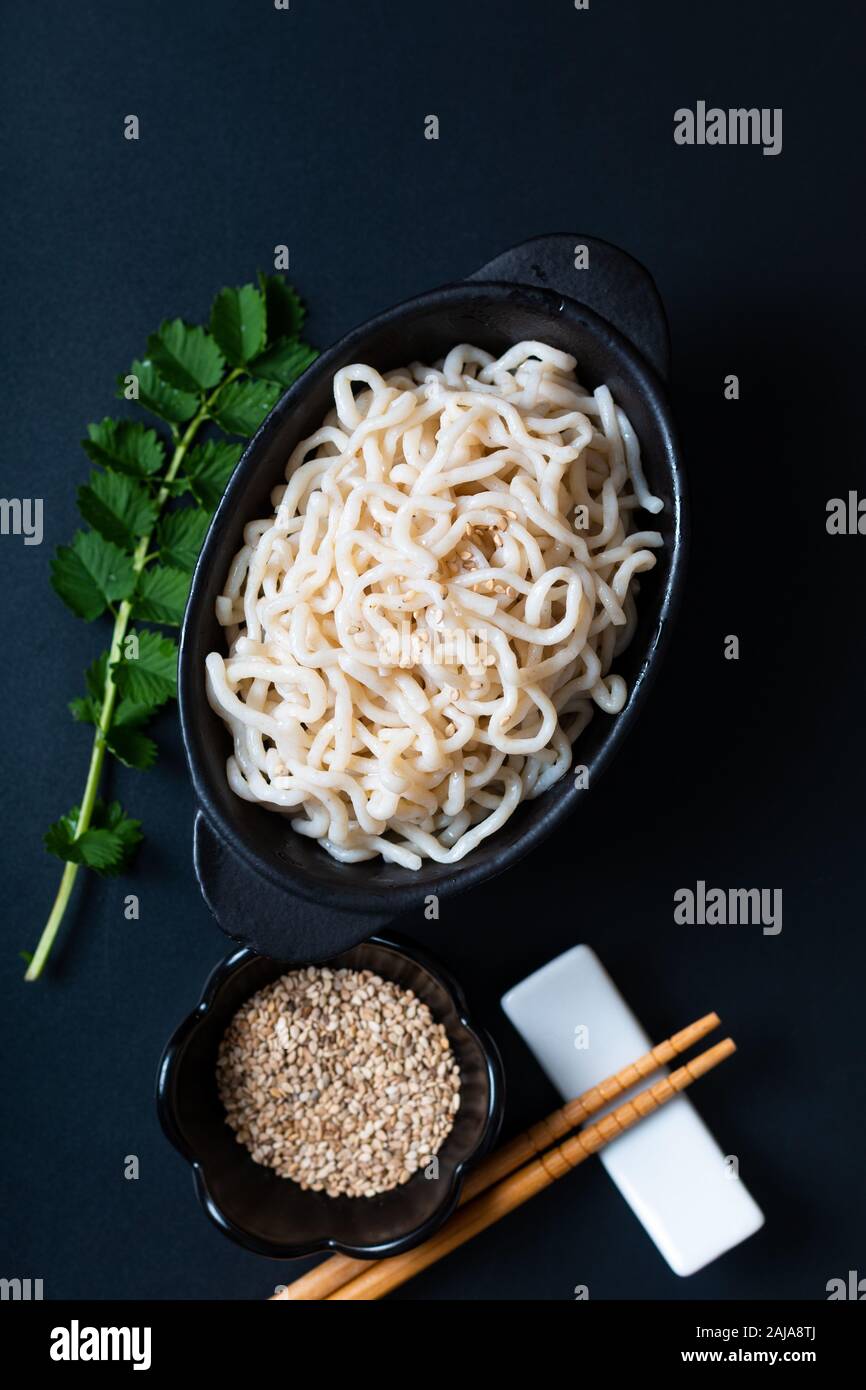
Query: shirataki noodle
[(427, 622)]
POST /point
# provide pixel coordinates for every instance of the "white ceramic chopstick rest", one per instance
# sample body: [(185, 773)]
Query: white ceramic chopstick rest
[(669, 1168)]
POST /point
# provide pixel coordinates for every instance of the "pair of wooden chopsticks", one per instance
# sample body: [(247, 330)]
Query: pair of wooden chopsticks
[(523, 1167)]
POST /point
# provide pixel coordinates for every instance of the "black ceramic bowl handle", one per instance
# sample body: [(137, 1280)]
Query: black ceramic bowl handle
[(596, 274), (259, 914)]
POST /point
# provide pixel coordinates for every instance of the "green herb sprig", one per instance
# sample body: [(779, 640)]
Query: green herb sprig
[(135, 561)]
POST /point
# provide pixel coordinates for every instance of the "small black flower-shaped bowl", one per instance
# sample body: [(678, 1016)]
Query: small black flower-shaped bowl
[(274, 1216)]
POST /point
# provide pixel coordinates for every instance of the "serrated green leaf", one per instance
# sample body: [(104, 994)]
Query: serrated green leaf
[(90, 574), (125, 446), (150, 677), (126, 742), (178, 486), (85, 710), (284, 362), (94, 676), (131, 714), (118, 508), (208, 469), (237, 322), (185, 357), (285, 312), (60, 835), (157, 395), (106, 844), (242, 405), (113, 817), (131, 747), (161, 595), (181, 534)]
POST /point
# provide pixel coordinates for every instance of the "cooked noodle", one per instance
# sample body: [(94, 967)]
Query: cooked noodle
[(429, 619)]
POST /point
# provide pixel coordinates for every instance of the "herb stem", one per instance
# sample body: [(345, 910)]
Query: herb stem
[(109, 698)]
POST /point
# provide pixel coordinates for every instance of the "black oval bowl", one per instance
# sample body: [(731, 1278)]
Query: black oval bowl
[(279, 891), (274, 1216)]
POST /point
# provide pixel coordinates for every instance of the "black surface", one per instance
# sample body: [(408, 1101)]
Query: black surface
[(261, 127), (248, 851)]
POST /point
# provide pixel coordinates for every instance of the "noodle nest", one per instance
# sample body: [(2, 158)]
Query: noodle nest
[(430, 617)]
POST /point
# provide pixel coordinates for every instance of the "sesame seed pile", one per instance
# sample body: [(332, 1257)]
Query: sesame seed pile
[(338, 1079)]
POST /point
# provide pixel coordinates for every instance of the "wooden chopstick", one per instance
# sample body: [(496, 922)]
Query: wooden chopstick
[(385, 1275), (333, 1273)]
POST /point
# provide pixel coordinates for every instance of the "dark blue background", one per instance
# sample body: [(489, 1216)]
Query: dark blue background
[(261, 127)]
